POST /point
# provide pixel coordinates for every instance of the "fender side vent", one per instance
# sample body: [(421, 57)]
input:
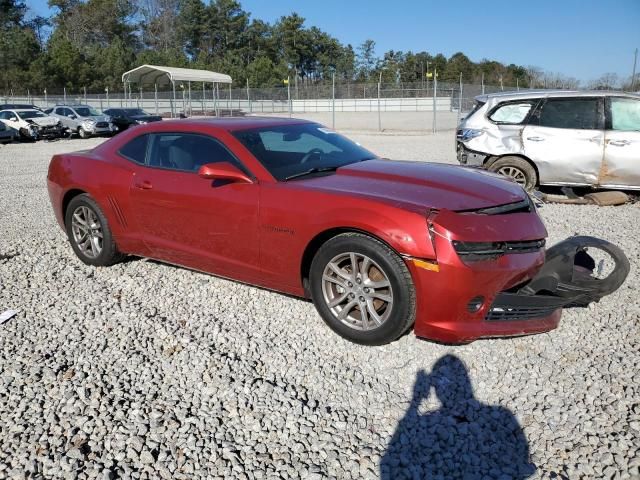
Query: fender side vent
[(117, 211)]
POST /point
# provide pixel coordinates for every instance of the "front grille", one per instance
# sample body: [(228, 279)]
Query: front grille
[(473, 251), (51, 129), (102, 125), (510, 307)]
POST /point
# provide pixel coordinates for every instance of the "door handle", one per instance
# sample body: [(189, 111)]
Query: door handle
[(536, 139), (144, 185), (619, 143)]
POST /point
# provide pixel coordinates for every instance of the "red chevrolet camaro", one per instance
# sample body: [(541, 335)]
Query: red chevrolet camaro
[(289, 205)]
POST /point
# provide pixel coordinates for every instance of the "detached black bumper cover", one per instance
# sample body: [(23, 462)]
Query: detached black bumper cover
[(565, 280)]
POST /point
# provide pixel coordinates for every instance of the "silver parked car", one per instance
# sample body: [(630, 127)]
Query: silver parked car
[(574, 138), (83, 120)]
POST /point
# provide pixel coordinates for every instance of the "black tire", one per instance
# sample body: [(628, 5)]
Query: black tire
[(401, 315), (83, 134), (24, 136), (108, 254), (520, 169)]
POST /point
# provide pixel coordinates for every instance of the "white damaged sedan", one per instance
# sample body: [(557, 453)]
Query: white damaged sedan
[(31, 124)]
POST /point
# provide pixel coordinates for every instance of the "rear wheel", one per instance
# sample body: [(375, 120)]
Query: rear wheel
[(518, 169), (362, 289), (89, 232)]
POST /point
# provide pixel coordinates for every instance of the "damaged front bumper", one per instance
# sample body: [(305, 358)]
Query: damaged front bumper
[(512, 294), (565, 280)]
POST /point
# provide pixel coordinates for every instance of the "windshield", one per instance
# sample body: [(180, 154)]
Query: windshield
[(288, 150), (135, 111), (31, 114), (87, 112)]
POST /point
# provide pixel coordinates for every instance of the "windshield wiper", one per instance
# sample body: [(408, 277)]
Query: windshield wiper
[(311, 171)]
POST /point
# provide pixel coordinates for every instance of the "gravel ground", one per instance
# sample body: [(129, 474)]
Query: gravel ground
[(144, 370)]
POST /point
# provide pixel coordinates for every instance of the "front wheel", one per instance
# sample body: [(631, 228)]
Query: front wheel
[(518, 169), (83, 133), (89, 232), (362, 289)]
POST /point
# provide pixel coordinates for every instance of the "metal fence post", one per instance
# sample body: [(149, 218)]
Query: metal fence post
[(64, 91), (46, 102), (155, 96), (229, 104), (460, 101), (85, 95), (215, 99), (379, 114), (435, 89), (203, 98), (333, 100), (289, 94), (249, 97)]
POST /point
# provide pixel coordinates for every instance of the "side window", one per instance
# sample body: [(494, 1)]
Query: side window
[(275, 141), (3, 116), (136, 149), (59, 111), (625, 114), (576, 113), (511, 113), (187, 152)]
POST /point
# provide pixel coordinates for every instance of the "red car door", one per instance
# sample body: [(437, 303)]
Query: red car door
[(185, 219)]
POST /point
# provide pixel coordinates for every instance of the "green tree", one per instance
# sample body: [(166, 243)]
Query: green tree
[(366, 60)]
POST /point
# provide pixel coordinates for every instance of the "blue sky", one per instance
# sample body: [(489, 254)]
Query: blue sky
[(583, 39)]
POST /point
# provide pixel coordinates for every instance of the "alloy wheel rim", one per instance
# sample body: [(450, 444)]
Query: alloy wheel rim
[(515, 173), (357, 291), (87, 231)]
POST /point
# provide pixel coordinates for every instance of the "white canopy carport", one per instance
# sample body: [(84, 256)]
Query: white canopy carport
[(147, 75)]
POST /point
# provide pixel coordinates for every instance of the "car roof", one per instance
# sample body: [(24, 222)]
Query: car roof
[(240, 123), (523, 94), (8, 106)]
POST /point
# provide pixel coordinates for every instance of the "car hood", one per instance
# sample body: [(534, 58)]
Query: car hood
[(96, 118), (43, 121), (421, 185)]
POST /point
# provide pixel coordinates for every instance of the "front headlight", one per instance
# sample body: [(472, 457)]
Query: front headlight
[(88, 124), (141, 122), (466, 134)]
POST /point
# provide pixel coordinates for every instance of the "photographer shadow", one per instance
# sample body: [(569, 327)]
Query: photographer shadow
[(463, 439)]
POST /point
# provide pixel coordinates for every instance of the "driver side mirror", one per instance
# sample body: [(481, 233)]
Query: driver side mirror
[(13, 119), (223, 171), (71, 116)]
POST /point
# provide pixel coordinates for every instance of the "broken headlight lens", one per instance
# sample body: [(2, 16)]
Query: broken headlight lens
[(466, 134), (473, 251)]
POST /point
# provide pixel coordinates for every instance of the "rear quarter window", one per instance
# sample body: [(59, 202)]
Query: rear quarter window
[(136, 149), (511, 113)]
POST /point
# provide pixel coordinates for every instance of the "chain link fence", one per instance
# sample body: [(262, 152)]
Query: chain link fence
[(357, 106)]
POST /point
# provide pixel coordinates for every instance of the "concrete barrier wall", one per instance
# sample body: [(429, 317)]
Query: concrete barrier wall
[(166, 105)]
